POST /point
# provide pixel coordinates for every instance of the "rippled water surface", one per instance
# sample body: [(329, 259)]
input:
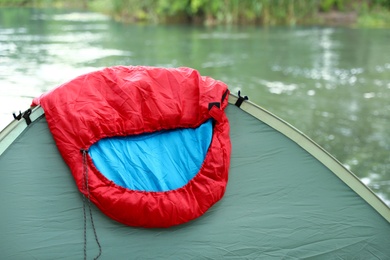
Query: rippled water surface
[(331, 83)]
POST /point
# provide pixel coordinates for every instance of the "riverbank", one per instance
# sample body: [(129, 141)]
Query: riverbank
[(366, 13)]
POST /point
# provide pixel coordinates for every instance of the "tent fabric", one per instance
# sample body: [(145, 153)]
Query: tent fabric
[(280, 203), (124, 101), (168, 158)]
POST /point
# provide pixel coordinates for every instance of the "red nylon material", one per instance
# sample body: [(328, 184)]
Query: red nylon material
[(120, 101)]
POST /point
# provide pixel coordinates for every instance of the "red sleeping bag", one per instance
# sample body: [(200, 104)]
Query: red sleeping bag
[(124, 101)]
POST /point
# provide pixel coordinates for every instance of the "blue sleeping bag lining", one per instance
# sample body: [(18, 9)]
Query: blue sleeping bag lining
[(160, 161)]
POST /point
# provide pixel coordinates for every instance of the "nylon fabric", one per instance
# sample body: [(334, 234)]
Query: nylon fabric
[(281, 203), (160, 161)]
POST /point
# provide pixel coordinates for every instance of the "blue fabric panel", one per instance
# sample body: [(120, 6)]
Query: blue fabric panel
[(160, 161)]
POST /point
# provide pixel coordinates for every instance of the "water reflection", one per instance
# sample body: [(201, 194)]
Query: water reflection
[(277, 87), (331, 83)]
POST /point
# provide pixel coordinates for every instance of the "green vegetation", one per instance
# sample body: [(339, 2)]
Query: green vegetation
[(47, 3), (266, 12), (374, 13)]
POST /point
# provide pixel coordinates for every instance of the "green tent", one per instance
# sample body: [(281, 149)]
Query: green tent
[(286, 199)]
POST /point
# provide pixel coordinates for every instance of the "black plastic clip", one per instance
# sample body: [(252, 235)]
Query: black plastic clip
[(18, 117), (217, 104), (240, 99), (26, 115)]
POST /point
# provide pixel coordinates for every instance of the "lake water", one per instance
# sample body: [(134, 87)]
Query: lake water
[(333, 84)]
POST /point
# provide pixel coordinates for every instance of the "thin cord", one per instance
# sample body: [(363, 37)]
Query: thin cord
[(85, 229), (88, 202)]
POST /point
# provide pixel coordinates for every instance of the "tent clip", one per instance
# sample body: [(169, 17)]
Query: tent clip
[(26, 115), (240, 99), (18, 117)]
